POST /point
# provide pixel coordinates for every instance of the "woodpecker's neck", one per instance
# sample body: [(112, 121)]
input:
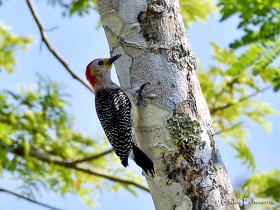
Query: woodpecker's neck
[(100, 82)]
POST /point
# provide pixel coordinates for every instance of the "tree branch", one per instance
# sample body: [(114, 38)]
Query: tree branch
[(49, 46), (92, 157), (79, 167), (28, 199), (212, 111)]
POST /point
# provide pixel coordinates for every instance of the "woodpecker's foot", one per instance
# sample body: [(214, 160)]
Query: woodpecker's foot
[(140, 100), (151, 172)]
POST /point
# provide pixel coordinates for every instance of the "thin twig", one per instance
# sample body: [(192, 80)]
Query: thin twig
[(79, 167), (28, 199), (229, 128), (49, 46), (212, 111), (92, 157), (51, 29)]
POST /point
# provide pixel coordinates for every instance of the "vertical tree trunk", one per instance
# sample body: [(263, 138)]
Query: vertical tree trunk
[(175, 127)]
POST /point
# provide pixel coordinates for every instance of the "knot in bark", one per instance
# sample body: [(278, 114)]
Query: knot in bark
[(157, 6)]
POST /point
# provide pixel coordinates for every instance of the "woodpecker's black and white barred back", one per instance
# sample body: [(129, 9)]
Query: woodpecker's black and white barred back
[(114, 110)]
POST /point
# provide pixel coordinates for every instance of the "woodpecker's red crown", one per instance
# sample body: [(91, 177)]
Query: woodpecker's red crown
[(99, 67)]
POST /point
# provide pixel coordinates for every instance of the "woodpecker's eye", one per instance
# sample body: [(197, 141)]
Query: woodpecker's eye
[(100, 63)]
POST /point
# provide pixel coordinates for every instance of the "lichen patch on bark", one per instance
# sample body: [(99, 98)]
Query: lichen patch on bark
[(186, 132)]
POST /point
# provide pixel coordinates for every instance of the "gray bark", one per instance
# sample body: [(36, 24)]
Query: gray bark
[(175, 128)]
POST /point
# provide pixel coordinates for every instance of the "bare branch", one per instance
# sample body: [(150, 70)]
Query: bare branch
[(28, 199), (79, 167), (215, 109), (92, 157), (49, 46)]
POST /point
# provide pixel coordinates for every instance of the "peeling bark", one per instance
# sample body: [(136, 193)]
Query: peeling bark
[(175, 127)]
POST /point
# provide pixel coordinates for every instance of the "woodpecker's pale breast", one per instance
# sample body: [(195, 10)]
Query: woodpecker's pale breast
[(114, 112)]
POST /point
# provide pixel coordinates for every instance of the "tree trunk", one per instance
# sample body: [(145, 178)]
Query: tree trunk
[(175, 127)]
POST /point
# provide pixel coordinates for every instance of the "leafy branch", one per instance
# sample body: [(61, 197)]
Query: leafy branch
[(226, 91), (9, 42), (37, 140), (213, 110), (78, 167)]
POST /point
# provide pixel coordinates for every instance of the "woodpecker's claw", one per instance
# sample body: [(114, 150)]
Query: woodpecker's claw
[(150, 171), (140, 100)]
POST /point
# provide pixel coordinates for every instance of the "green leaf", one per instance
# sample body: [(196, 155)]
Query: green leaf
[(229, 90), (193, 10), (260, 20), (276, 87), (244, 153), (35, 119), (263, 185), (271, 52), (79, 7), (8, 45), (235, 69)]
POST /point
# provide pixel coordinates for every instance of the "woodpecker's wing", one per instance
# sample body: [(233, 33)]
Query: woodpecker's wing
[(113, 108)]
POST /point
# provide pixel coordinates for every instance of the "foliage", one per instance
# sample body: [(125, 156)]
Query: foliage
[(258, 59), (8, 44), (193, 10), (276, 80), (34, 124), (233, 100), (79, 7), (262, 185), (234, 90), (260, 20), (260, 49)]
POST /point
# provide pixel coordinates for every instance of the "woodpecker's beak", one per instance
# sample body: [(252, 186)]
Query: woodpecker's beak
[(113, 59)]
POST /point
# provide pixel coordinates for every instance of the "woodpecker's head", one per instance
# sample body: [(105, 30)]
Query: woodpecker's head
[(98, 71)]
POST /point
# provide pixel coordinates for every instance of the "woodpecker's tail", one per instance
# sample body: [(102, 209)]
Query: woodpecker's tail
[(142, 160), (125, 162)]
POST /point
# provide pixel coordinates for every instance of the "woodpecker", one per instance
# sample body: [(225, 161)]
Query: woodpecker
[(116, 113)]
